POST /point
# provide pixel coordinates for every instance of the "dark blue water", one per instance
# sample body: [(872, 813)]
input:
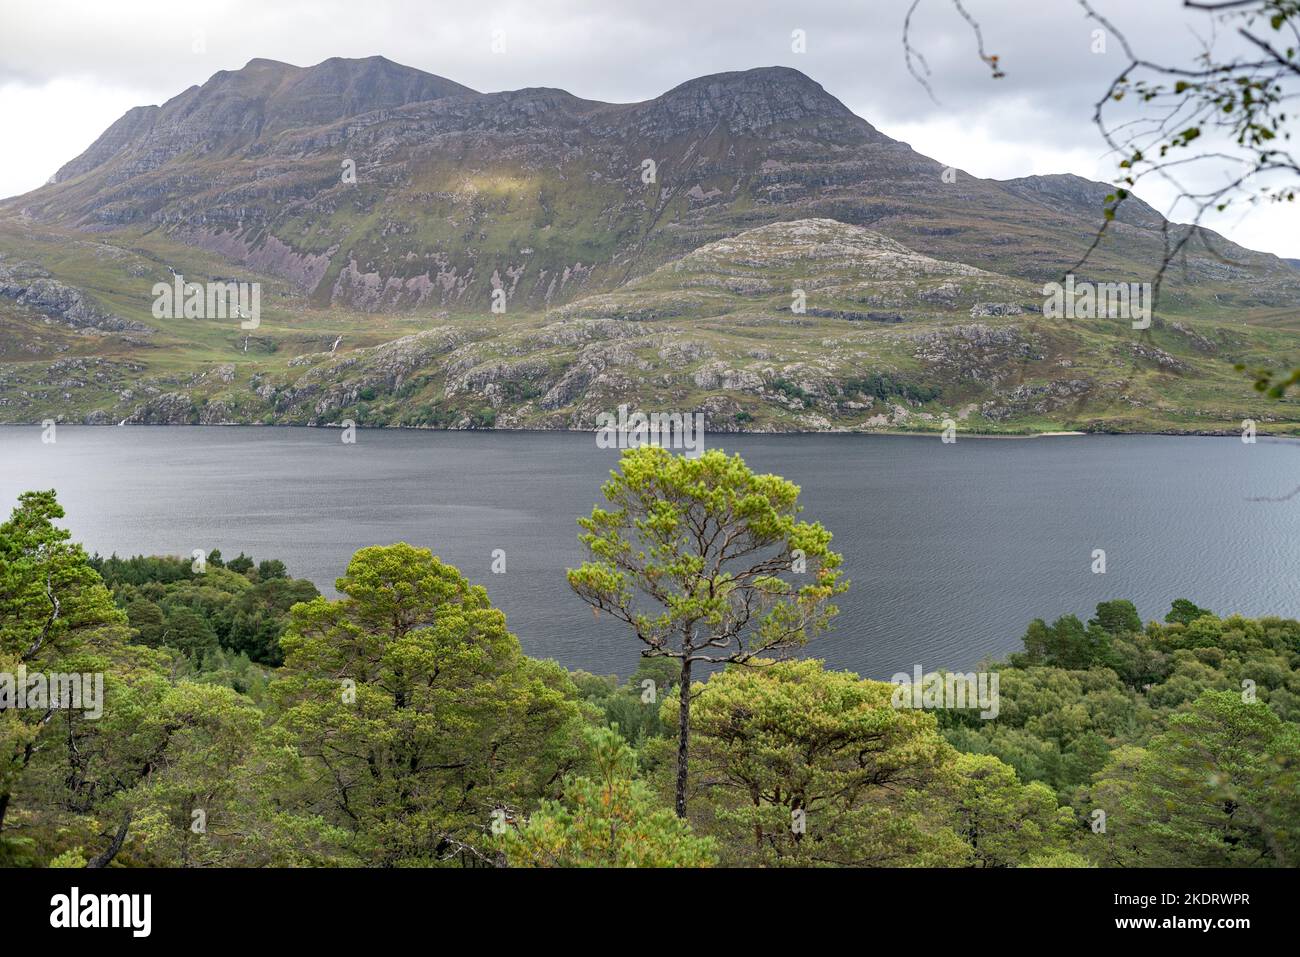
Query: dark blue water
[(951, 549)]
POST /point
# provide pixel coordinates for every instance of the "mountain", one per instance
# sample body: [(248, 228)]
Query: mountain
[(541, 192), (234, 111), (391, 207)]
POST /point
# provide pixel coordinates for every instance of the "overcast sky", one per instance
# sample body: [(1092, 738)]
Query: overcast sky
[(69, 68)]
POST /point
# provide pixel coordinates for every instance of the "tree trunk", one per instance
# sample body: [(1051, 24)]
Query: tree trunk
[(103, 860), (683, 735), (4, 808)]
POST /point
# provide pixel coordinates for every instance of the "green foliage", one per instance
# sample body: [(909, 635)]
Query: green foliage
[(52, 602), (1184, 612), (55, 616), (632, 707), (270, 569), (417, 713), (482, 418), (240, 607), (703, 542), (883, 387), (190, 633), (1004, 823), (405, 719), (220, 798), (691, 557), (142, 569), (1219, 788), (1056, 858), (790, 389), (1066, 643), (1105, 737), (256, 618), (799, 766), (608, 820), (1119, 617)]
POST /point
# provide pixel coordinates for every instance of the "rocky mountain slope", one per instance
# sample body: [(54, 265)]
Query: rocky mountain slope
[(542, 194), (742, 245)]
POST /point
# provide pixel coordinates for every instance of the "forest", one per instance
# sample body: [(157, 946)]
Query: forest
[(248, 720)]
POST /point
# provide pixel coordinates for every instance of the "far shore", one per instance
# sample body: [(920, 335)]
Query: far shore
[(932, 433)]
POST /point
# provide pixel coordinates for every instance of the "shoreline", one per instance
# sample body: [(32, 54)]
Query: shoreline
[(1062, 433)]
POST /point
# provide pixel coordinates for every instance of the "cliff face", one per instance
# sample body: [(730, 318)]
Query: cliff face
[(379, 187)]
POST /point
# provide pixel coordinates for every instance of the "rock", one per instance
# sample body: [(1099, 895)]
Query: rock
[(31, 286), (171, 408), (944, 294), (977, 353), (984, 309), (718, 375), (1036, 399), (1161, 358)]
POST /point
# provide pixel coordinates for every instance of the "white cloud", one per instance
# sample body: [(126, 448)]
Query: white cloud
[(63, 117), (990, 145)]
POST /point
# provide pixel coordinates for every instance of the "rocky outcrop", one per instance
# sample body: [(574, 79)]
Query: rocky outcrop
[(338, 382), (719, 376), (1037, 400), (984, 310), (977, 353), (1153, 354), (172, 408), (1198, 341), (31, 286)]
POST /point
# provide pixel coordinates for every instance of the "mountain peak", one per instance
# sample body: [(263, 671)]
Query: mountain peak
[(1067, 191), (264, 63), (758, 77), (749, 100), (238, 107)]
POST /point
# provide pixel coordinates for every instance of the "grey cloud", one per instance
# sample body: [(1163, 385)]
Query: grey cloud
[(622, 50), (602, 50)]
